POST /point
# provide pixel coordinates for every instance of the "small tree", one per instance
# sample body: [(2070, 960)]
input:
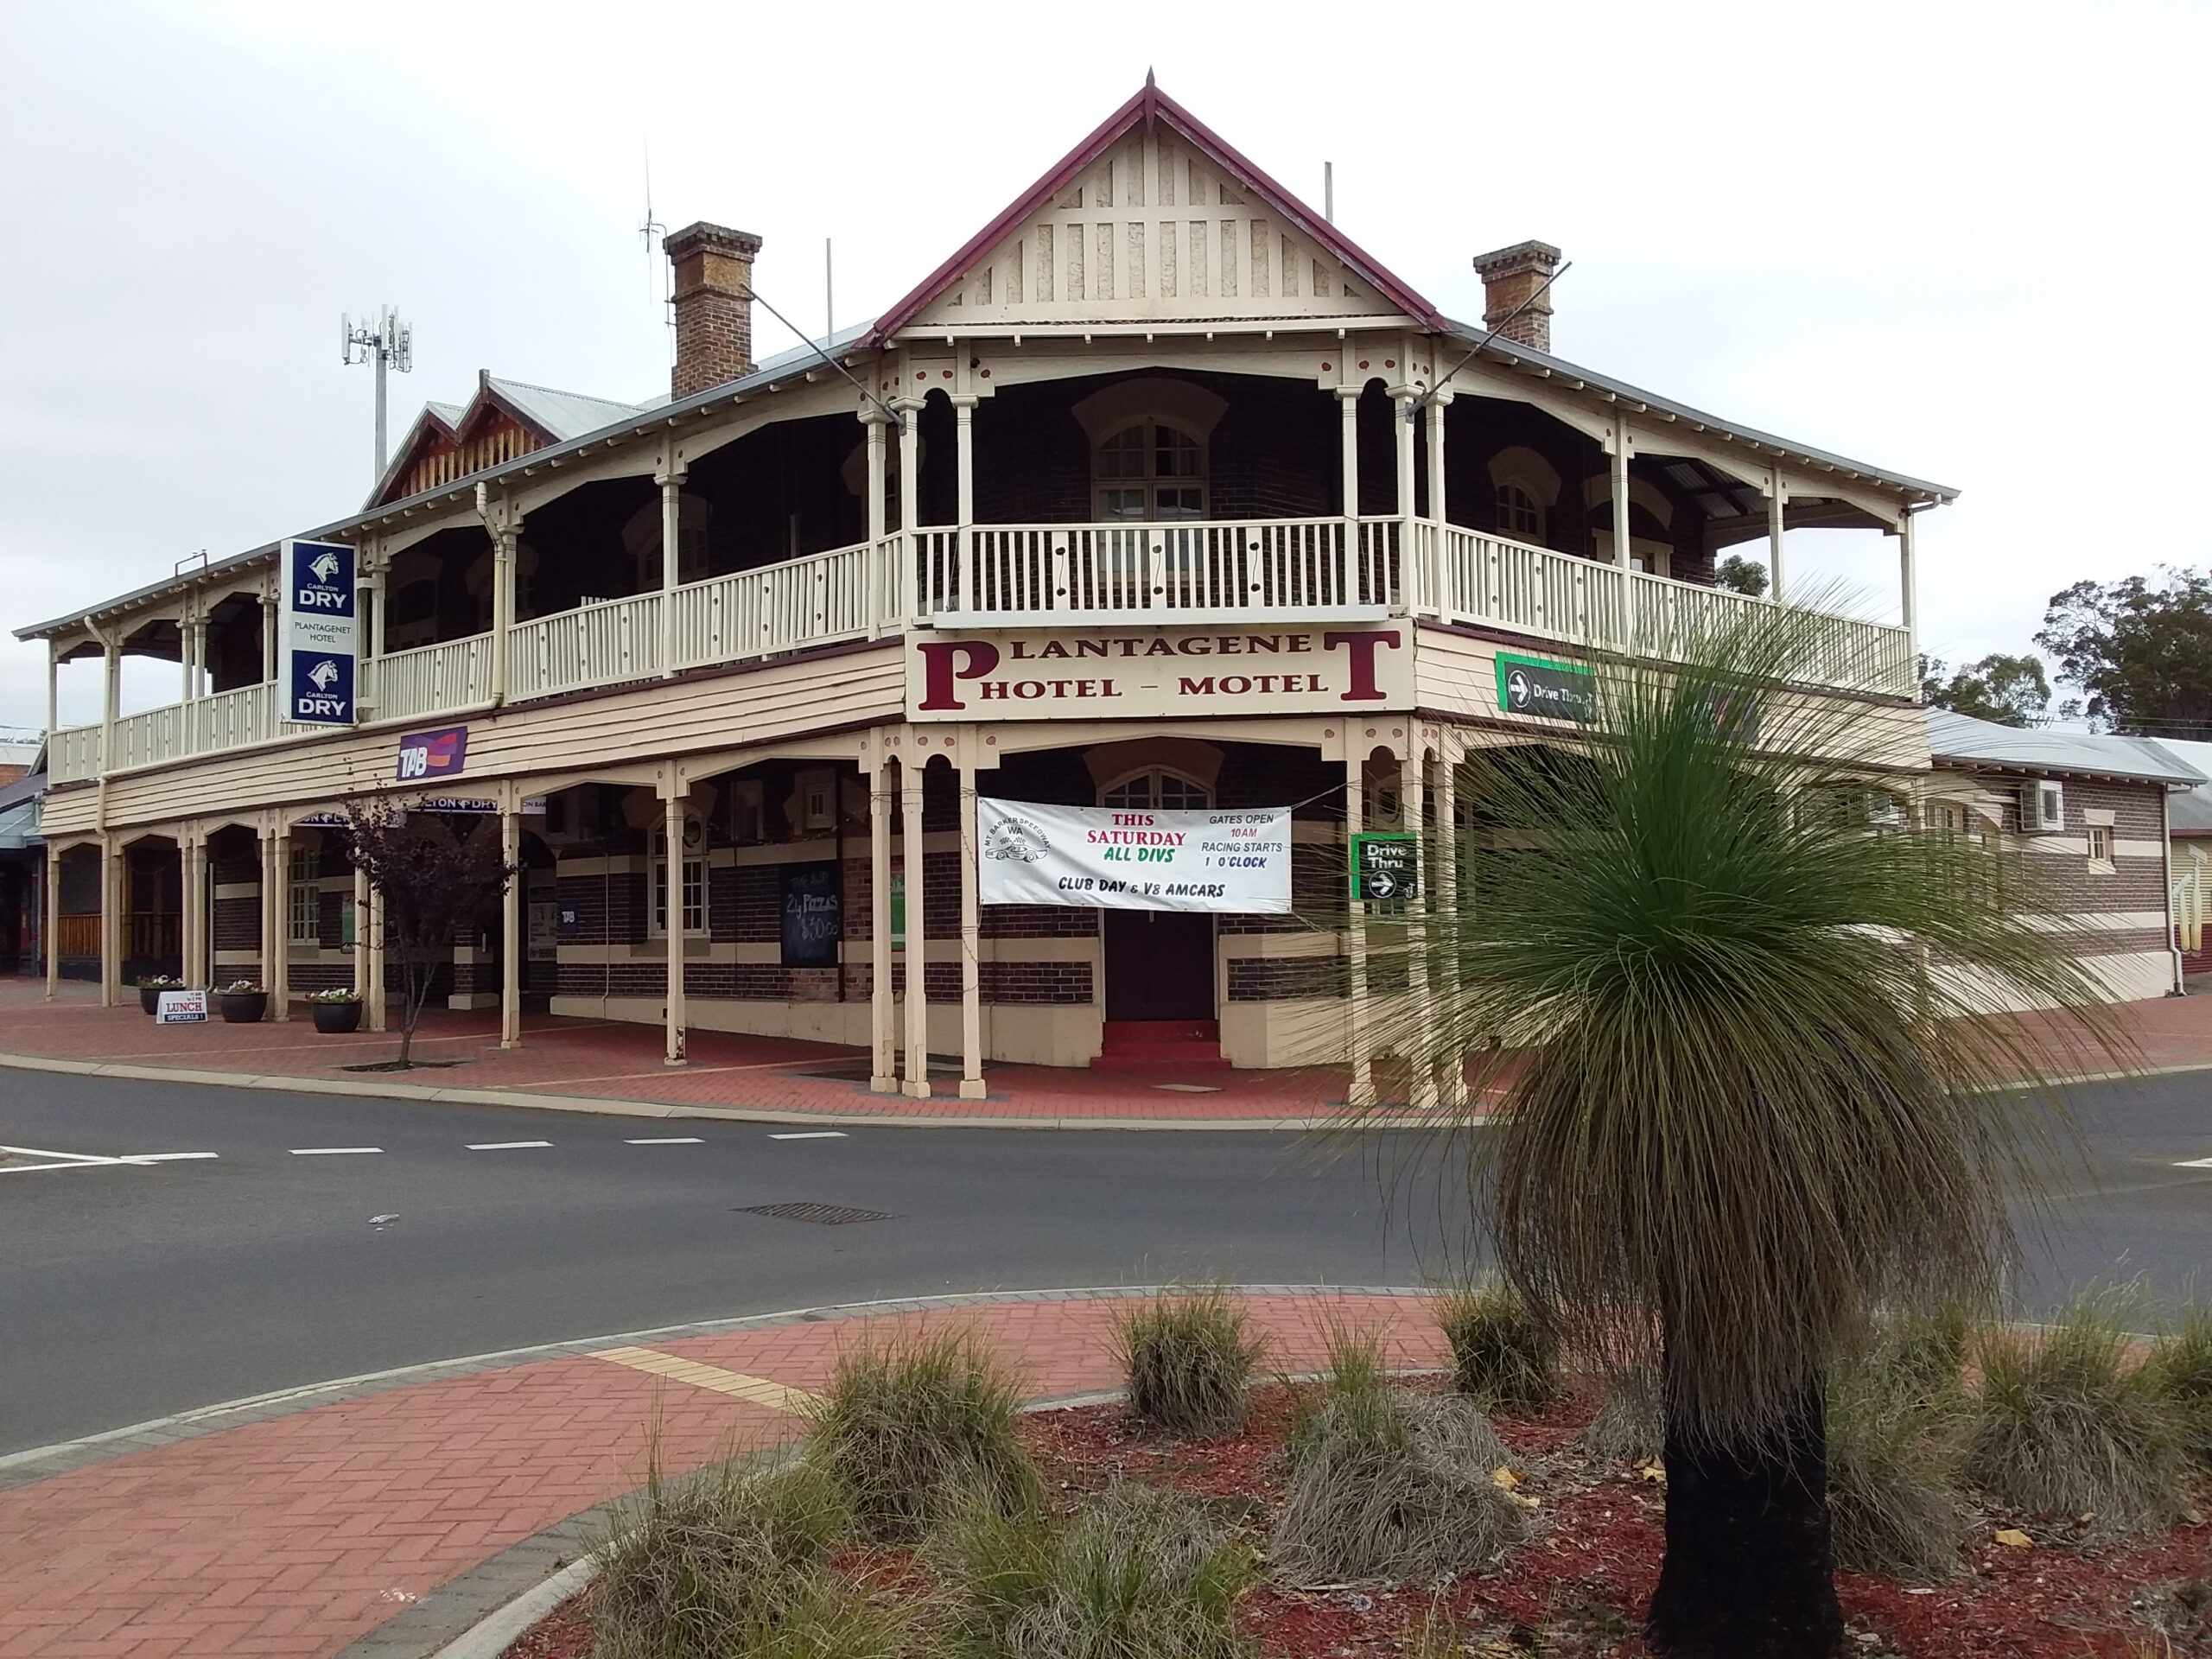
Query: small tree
[(432, 876), (2010, 691), (1737, 1030), (2143, 652), (1741, 574)]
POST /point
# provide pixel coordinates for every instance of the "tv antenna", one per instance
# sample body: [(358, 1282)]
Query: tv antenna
[(650, 232), (386, 342)]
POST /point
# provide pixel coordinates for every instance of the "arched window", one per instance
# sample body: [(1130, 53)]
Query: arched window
[(1518, 515), (1156, 788), (1149, 471)]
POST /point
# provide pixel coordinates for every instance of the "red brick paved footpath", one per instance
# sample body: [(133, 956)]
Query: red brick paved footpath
[(301, 1533), (617, 1065)]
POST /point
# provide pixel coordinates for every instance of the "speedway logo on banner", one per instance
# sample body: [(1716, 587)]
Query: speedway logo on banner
[(1116, 858), (319, 634)]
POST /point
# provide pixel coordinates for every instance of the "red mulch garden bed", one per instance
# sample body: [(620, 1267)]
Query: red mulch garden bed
[(1578, 1586)]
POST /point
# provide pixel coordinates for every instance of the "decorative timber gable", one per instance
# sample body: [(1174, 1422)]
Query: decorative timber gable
[(1152, 221)]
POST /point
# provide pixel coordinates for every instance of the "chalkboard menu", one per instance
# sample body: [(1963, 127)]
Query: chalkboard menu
[(814, 915)]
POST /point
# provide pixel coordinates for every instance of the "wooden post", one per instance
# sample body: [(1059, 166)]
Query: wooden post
[(1348, 426), (1620, 493), (672, 882), (963, 416), (1413, 769), (1777, 499), (1909, 591), (267, 889), (1446, 908), (1361, 1092), (883, 1029), (971, 934), (188, 855), (511, 924), (369, 925), (111, 698), (670, 480), (1414, 593), (911, 773), (111, 856), (503, 608), (916, 596), (53, 934), (280, 966), (361, 949)]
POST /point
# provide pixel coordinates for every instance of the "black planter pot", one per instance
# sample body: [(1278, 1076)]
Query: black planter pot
[(150, 998), (241, 1008), (336, 1019)]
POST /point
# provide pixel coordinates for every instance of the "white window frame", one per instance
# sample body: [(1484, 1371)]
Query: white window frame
[(1516, 502), (1197, 797), (1151, 481), (303, 898), (694, 882), (2100, 861)]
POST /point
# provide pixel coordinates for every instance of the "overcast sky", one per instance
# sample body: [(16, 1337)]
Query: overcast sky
[(1966, 242)]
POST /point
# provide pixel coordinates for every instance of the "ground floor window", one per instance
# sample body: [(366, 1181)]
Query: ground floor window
[(694, 879), (304, 909)]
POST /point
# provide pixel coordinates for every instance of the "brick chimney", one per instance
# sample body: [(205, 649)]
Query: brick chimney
[(1510, 276), (713, 305)]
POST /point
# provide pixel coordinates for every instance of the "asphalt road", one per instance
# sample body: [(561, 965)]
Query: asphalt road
[(132, 1290)]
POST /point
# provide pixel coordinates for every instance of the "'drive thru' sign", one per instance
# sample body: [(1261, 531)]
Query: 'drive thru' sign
[(1159, 671)]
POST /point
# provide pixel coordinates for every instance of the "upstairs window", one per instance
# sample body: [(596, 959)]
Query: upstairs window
[(1156, 788), (1146, 472), (1518, 515)]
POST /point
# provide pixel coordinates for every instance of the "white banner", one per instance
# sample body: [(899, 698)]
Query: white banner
[(1118, 858)]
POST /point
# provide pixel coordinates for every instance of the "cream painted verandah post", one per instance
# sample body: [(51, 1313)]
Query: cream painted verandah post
[(1360, 1089), (675, 1013), (971, 1003), (280, 965), (883, 1029), (112, 901), (1412, 768), (510, 922), (912, 841), (671, 479), (53, 935), (1446, 907)]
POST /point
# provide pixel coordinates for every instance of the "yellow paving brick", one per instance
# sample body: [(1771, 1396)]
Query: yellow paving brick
[(756, 1390)]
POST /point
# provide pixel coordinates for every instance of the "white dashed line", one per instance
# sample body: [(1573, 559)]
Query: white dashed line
[(331, 1152), (667, 1141), (2196, 1163), (811, 1134), (505, 1146), (165, 1157)]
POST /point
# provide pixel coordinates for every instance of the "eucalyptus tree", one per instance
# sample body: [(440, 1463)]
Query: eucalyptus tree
[(1737, 1030)]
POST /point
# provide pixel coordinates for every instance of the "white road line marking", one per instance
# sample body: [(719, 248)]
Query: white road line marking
[(505, 1146), (89, 1160), (811, 1134), (667, 1141), (331, 1152), (165, 1157), (2196, 1163)]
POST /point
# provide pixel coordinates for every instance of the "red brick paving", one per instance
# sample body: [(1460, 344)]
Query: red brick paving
[(300, 1534), (619, 1060)]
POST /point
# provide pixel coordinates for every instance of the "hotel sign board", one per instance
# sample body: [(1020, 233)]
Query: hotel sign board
[(319, 631), (1115, 858), (1093, 673)]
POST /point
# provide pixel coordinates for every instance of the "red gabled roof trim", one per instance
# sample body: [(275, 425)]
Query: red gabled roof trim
[(1151, 104)]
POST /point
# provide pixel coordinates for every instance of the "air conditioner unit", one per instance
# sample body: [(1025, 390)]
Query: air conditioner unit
[(2042, 807)]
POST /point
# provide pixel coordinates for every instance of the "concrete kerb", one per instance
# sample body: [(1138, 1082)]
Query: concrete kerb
[(891, 1118)]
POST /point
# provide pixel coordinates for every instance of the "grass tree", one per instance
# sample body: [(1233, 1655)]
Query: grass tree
[(434, 876), (1731, 1012)]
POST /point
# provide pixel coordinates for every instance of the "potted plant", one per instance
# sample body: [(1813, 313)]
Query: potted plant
[(336, 1012), (242, 1002), (151, 989)]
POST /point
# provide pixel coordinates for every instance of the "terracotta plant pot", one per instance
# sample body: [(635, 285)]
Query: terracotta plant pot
[(243, 1008), (336, 1019)]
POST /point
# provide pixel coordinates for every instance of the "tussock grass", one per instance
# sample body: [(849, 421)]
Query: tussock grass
[(735, 1562), (1893, 1452), (907, 1430), (1388, 1483), (1189, 1360), (2180, 1366), (1630, 1426), (1141, 1572), (1502, 1355), (2066, 1421)]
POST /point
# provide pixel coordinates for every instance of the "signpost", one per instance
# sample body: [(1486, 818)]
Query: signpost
[(318, 632), (1386, 867)]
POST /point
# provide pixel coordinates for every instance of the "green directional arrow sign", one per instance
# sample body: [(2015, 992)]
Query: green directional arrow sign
[(1386, 868)]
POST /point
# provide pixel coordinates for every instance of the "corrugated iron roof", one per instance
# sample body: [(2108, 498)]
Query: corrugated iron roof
[(1962, 739)]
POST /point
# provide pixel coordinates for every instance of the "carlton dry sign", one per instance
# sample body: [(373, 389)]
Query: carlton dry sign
[(1115, 858), (1150, 672), (319, 634)]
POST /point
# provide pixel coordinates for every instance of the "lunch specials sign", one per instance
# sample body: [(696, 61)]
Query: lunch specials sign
[(318, 632), (1115, 858), (1040, 674)]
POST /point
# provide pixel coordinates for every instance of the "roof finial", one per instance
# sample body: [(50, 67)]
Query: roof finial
[(1147, 77)]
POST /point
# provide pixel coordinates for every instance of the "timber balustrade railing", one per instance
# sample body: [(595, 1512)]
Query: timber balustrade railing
[(1002, 575)]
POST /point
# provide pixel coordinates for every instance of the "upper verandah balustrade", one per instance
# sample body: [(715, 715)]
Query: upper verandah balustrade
[(1189, 572)]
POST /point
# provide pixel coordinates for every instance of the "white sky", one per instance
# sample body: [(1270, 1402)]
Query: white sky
[(1962, 241)]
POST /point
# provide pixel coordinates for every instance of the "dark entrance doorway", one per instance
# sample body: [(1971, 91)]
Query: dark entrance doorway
[(1159, 966)]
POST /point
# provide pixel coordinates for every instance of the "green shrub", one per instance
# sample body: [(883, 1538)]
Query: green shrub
[(1386, 1482), (718, 1563), (2065, 1421), (1356, 1383), (1630, 1426), (1893, 1502), (1141, 1572), (1189, 1361), (1502, 1355), (1921, 1353), (906, 1429), (2180, 1366)]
